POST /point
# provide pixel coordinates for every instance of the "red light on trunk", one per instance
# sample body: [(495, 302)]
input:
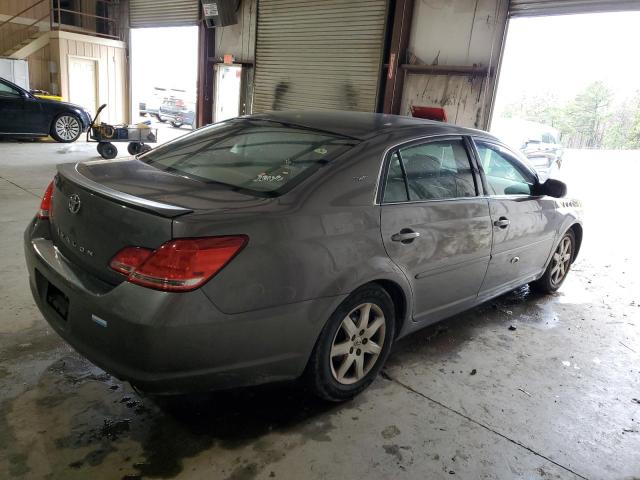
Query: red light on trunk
[(45, 204), (129, 258), (179, 265)]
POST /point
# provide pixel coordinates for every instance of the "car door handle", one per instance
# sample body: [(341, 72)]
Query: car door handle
[(406, 235), (502, 222)]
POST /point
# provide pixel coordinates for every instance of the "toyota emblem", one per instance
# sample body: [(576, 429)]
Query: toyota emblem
[(74, 203)]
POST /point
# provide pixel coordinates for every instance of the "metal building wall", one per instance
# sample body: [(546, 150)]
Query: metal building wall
[(527, 8), (319, 55), (163, 13), (454, 53)]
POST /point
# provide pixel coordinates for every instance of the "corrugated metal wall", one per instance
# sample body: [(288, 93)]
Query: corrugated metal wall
[(319, 55), (521, 8), (163, 13)]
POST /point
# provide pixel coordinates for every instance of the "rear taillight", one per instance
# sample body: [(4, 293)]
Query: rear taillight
[(129, 258), (178, 265), (45, 204)]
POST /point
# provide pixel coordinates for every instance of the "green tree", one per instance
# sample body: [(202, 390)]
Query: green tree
[(633, 136), (587, 114)]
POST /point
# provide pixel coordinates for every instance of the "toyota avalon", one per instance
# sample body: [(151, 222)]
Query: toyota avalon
[(291, 244)]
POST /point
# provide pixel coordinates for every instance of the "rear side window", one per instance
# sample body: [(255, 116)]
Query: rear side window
[(7, 91), (395, 189), (431, 171), (261, 157), (501, 172)]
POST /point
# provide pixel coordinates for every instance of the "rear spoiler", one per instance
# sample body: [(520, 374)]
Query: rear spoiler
[(70, 172)]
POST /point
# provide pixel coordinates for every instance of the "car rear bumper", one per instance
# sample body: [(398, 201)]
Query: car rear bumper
[(169, 342)]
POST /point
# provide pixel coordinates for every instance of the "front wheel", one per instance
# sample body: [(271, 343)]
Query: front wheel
[(353, 346), (107, 150), (160, 118), (66, 128), (558, 267)]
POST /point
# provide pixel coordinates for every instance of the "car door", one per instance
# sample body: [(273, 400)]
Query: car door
[(21, 112), (435, 225), (12, 108), (524, 225)]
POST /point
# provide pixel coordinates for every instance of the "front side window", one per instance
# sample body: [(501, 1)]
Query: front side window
[(257, 156), (502, 175), (436, 170)]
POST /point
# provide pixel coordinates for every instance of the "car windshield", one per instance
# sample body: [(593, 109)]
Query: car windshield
[(258, 156)]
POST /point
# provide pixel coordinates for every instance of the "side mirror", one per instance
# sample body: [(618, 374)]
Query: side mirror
[(552, 188)]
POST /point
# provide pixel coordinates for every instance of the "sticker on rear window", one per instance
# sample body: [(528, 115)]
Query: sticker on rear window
[(263, 177)]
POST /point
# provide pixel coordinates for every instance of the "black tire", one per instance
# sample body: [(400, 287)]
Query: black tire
[(143, 114), (160, 119), (145, 148), (321, 374), (107, 150), (66, 128), (176, 124), (134, 148), (550, 282)]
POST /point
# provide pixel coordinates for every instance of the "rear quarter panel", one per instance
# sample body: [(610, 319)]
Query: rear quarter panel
[(322, 239)]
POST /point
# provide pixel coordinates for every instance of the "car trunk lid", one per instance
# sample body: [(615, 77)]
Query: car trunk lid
[(100, 207)]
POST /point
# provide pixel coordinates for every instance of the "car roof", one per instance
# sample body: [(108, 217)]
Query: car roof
[(364, 125)]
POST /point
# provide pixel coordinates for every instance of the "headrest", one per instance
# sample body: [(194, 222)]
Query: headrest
[(421, 165)]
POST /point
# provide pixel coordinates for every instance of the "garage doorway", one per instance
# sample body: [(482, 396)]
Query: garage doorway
[(83, 87), (164, 70), (569, 84)]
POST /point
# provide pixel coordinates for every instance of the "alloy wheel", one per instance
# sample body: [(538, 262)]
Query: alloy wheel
[(561, 260), (357, 344), (67, 127)]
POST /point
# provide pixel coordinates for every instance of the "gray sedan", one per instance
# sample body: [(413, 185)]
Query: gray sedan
[(287, 245)]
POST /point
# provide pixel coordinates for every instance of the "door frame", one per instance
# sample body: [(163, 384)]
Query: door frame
[(217, 90), (96, 62)]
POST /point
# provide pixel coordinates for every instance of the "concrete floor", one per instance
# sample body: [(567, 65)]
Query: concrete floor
[(558, 397)]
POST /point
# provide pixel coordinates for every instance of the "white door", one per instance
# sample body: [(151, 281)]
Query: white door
[(228, 82), (82, 83)]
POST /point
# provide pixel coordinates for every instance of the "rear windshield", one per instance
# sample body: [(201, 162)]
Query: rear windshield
[(260, 157)]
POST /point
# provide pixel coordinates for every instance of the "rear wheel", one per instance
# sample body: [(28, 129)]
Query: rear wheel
[(353, 346), (134, 148), (176, 124), (558, 267), (66, 128), (160, 118)]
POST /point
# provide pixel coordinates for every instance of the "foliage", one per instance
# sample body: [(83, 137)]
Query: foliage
[(590, 120)]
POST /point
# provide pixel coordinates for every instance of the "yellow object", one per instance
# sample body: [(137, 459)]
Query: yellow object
[(50, 97)]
